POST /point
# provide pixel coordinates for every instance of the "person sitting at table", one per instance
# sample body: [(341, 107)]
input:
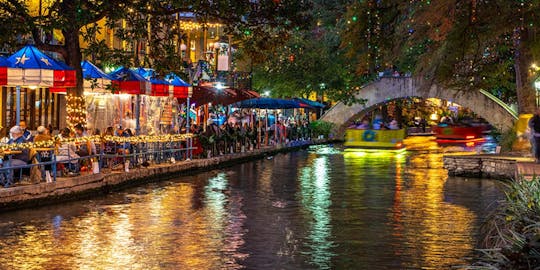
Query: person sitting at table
[(67, 151), (27, 135), (85, 149), (42, 135), (44, 156), (19, 159)]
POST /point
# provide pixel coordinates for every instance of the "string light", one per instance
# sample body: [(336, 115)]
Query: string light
[(76, 110), (98, 139), (191, 25)]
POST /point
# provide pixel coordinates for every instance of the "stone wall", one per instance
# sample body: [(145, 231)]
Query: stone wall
[(480, 166)]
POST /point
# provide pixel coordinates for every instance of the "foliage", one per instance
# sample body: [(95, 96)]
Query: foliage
[(512, 232), (465, 44), (506, 140), (320, 127), (311, 62), (249, 23)]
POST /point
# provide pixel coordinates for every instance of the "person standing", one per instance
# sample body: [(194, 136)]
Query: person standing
[(534, 125)]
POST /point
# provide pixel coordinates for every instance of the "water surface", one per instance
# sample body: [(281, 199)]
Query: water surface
[(320, 208)]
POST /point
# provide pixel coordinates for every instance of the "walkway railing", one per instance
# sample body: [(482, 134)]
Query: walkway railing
[(129, 152), (124, 153)]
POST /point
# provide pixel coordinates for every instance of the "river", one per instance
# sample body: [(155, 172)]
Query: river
[(320, 208)]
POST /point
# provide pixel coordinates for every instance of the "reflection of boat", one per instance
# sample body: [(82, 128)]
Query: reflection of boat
[(452, 133), (375, 139)]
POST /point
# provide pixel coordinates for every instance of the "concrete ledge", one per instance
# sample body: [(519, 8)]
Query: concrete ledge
[(69, 188), (489, 166)]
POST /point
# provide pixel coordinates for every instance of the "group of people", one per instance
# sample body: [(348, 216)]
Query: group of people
[(377, 124), (71, 155), (235, 135)]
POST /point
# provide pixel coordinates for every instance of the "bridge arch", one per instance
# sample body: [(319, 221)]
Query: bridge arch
[(482, 103)]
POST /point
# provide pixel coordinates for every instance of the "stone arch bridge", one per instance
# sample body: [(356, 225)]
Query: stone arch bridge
[(487, 106)]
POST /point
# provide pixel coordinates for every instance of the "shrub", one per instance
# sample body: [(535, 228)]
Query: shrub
[(512, 231), (321, 128), (506, 140)]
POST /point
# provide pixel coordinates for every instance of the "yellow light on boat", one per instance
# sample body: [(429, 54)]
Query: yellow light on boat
[(469, 137)]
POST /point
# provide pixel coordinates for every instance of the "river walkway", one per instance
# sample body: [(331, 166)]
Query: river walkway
[(89, 184)]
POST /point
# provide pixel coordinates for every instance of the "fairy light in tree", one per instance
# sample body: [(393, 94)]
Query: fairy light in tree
[(76, 111)]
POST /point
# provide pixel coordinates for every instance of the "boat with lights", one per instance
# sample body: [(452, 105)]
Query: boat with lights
[(458, 133), (381, 139)]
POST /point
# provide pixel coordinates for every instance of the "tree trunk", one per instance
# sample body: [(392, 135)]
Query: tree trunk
[(74, 57), (76, 108), (526, 95)]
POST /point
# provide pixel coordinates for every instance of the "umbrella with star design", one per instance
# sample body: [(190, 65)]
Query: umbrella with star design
[(130, 82), (37, 69), (29, 67)]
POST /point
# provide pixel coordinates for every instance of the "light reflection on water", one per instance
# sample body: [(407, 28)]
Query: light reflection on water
[(316, 209)]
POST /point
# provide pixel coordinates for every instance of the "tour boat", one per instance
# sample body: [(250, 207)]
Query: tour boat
[(389, 139), (458, 133)]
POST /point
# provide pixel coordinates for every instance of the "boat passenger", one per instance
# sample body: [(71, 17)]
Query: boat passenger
[(364, 125), (447, 120), (377, 122), (393, 124)]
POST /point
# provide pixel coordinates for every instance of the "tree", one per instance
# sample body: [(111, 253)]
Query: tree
[(311, 61), (76, 18), (467, 44)]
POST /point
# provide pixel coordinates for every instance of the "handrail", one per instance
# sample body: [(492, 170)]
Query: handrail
[(501, 103)]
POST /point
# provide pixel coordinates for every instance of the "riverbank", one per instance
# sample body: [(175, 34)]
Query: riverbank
[(85, 185), (495, 166)]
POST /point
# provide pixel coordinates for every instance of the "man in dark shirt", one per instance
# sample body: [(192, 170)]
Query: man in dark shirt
[(27, 135), (534, 125)]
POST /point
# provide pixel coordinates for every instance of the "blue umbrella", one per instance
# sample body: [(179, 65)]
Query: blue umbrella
[(90, 71), (175, 80), (4, 62), (269, 103), (311, 103), (94, 78), (130, 82)]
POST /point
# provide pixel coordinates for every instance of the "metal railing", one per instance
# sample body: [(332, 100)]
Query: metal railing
[(133, 155)]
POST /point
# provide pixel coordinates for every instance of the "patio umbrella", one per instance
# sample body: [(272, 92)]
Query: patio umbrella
[(4, 65), (95, 80), (269, 103), (204, 94), (310, 103), (63, 79), (178, 87), (130, 82), (243, 94), (34, 69), (159, 87)]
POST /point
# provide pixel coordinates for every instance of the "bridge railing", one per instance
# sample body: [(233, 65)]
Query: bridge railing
[(501, 103)]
